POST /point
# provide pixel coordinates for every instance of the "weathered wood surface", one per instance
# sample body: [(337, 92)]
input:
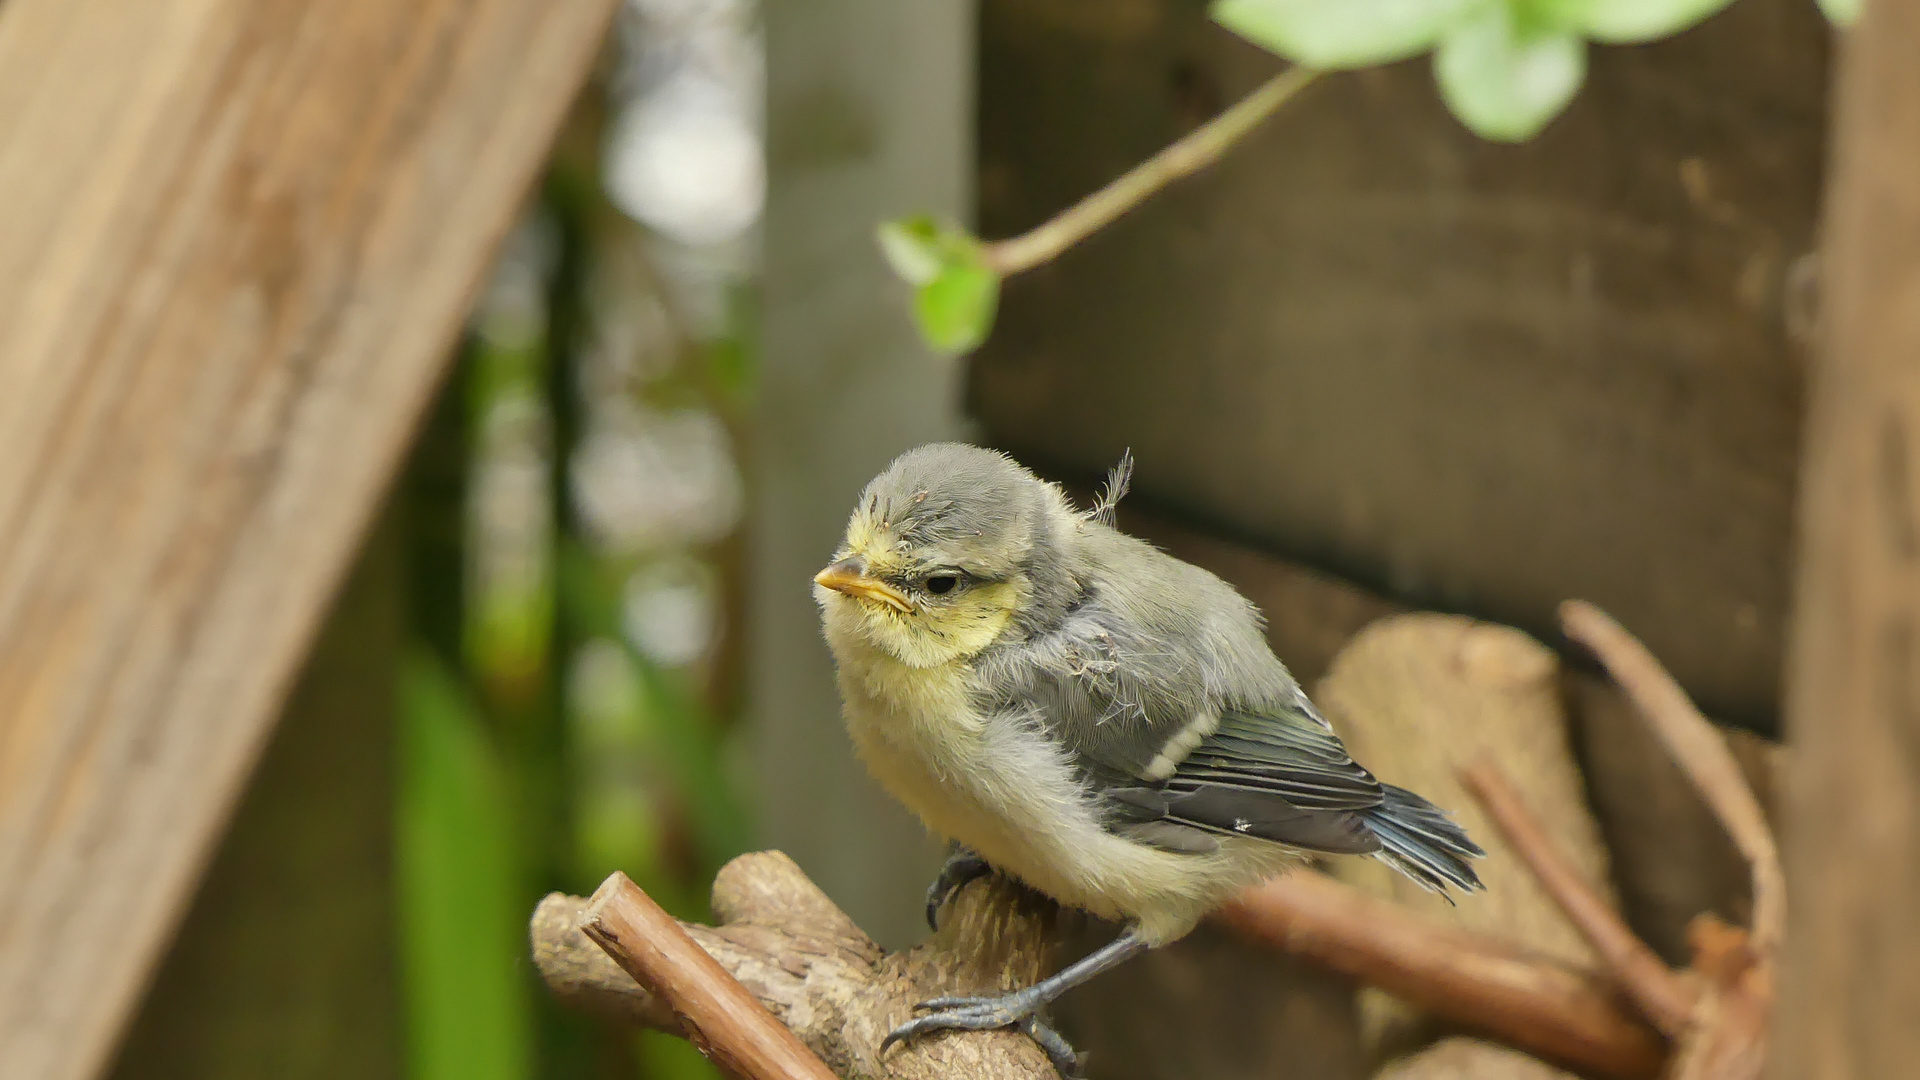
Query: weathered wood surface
[(236, 241), (1476, 377), (308, 859), (1852, 972)]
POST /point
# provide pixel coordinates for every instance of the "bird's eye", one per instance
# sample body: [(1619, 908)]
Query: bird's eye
[(941, 584)]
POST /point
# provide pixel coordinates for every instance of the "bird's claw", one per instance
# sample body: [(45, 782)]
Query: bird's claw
[(987, 1014), (961, 867)]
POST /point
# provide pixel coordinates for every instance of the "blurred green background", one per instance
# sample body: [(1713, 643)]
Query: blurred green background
[(570, 695)]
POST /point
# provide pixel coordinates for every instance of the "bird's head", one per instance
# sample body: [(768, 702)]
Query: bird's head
[(949, 549)]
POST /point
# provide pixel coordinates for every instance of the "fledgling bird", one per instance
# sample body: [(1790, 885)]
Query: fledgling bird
[(1089, 715)]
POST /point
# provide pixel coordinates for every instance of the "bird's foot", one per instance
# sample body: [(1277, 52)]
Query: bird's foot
[(962, 866), (1016, 1009)]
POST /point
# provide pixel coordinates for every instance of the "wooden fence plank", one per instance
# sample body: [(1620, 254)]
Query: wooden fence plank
[(237, 238), (1852, 989)]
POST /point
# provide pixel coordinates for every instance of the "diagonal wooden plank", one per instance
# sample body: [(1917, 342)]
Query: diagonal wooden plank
[(237, 238)]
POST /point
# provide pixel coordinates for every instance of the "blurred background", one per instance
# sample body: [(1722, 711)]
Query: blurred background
[(1369, 351)]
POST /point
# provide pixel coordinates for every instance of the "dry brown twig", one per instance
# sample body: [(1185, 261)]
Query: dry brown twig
[(1661, 996), (1701, 753), (717, 1014), (1530, 1002), (1718, 1011)]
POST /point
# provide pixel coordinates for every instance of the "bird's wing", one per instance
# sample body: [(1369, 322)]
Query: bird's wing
[(1279, 775), (1174, 758)]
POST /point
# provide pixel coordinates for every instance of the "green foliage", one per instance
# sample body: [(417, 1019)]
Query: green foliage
[(1840, 12), (1503, 82), (1630, 22), (955, 290), (1335, 35), (470, 1016), (1505, 67)]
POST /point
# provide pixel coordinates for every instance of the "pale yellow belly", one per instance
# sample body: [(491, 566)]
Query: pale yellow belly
[(1004, 791)]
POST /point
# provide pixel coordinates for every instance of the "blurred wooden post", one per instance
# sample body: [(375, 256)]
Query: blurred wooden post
[(1852, 993), (869, 117), (237, 238)]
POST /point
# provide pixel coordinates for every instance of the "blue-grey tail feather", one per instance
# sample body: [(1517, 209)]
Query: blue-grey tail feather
[(1418, 839)]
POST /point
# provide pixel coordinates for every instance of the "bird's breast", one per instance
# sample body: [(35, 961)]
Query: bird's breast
[(997, 784)]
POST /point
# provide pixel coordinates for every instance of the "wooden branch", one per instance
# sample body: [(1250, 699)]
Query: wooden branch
[(1699, 750), (801, 957), (237, 243), (1661, 996), (716, 1013), (1567, 1016)]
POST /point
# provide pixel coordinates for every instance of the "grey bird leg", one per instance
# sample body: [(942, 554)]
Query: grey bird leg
[(962, 866), (1018, 1007)]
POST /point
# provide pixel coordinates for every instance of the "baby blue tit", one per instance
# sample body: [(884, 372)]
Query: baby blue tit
[(1084, 713)]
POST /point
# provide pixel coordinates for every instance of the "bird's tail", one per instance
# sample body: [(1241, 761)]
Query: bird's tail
[(1418, 839)]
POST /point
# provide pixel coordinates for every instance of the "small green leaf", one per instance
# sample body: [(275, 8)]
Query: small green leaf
[(1626, 22), (955, 291), (1505, 86), (912, 248), (1336, 34), (955, 309), (1840, 12)]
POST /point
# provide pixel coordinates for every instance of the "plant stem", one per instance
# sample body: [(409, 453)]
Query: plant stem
[(1187, 155)]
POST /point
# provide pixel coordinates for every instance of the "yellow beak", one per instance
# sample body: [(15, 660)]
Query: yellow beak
[(849, 576)]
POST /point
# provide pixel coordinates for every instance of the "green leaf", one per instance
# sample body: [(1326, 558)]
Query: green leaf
[(955, 291), (1625, 22), (1840, 12), (469, 1014), (912, 248), (1503, 85), (1334, 34), (955, 310)]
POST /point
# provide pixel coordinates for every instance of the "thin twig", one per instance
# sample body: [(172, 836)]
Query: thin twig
[(720, 1017), (1701, 753), (1187, 155), (1661, 995), (1502, 990)]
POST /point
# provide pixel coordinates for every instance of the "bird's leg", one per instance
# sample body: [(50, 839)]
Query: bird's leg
[(962, 866), (1019, 1006)]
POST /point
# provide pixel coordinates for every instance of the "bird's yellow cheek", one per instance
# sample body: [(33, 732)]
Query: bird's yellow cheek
[(976, 620)]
